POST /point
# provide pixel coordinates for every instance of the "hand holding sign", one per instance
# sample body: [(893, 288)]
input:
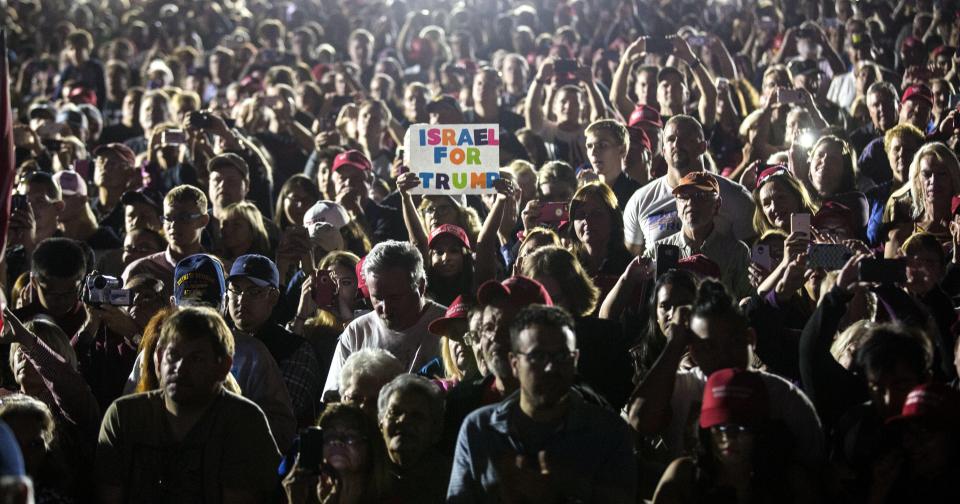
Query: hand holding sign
[(454, 158)]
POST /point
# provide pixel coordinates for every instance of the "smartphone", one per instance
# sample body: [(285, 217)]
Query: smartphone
[(311, 449), (789, 96), (173, 137), (200, 119), (883, 270), (668, 257), (767, 23), (760, 255), (324, 290), (554, 212), (800, 223), (659, 45), (18, 202), (51, 144), (564, 66), (828, 256), (697, 41)]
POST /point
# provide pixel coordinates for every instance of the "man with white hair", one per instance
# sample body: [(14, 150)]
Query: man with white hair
[(363, 375), (397, 281)]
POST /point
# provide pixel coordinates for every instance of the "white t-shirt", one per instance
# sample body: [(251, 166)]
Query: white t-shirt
[(414, 347), (787, 403), (651, 213)]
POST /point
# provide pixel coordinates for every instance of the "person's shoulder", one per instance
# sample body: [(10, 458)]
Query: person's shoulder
[(239, 404), (434, 309), (141, 402), (728, 186), (778, 386), (653, 190), (481, 418)]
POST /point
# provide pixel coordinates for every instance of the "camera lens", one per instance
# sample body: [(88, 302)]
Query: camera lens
[(99, 282)]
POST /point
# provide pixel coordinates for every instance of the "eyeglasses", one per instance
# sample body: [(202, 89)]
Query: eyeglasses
[(134, 250), (252, 292), (540, 358), (471, 337), (173, 219), (344, 439)]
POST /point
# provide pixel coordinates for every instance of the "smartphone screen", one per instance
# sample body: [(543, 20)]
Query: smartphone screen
[(668, 257)]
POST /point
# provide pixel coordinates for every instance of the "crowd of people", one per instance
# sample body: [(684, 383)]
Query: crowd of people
[(721, 262)]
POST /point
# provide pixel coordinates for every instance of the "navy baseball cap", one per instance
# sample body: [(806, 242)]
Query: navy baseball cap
[(11, 460), (198, 281), (256, 268)]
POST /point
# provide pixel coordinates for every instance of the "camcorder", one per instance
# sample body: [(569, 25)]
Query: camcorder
[(105, 290)]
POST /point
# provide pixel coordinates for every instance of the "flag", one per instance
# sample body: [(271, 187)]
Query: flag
[(7, 168)]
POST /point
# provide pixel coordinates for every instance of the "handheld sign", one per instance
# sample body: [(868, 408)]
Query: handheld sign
[(453, 158)]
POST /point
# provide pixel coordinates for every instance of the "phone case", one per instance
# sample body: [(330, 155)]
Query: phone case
[(828, 256)]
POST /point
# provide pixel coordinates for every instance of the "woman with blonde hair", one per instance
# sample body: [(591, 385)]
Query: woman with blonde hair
[(243, 231), (923, 203)]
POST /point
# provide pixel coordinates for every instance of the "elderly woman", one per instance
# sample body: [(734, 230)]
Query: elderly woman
[(364, 375), (411, 421), (354, 467), (45, 368)]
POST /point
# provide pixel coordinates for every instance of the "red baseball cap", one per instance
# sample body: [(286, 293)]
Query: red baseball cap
[(833, 210), (734, 396), (352, 158), (920, 91), (700, 265), (120, 150), (639, 137), (361, 280), (645, 114), (520, 291), (457, 310), (933, 402), (955, 205), (449, 230), (771, 172)]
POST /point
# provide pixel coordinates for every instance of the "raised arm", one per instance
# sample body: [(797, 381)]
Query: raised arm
[(619, 92), (488, 241), (832, 388), (411, 217), (650, 410), (637, 273), (68, 390), (707, 106), (598, 107), (533, 106)]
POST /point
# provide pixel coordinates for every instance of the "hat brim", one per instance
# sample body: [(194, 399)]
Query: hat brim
[(256, 281), (690, 187), (441, 327), (459, 239), (491, 290)]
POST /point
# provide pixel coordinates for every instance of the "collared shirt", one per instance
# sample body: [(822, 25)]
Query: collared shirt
[(721, 247), (299, 368), (592, 447)]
